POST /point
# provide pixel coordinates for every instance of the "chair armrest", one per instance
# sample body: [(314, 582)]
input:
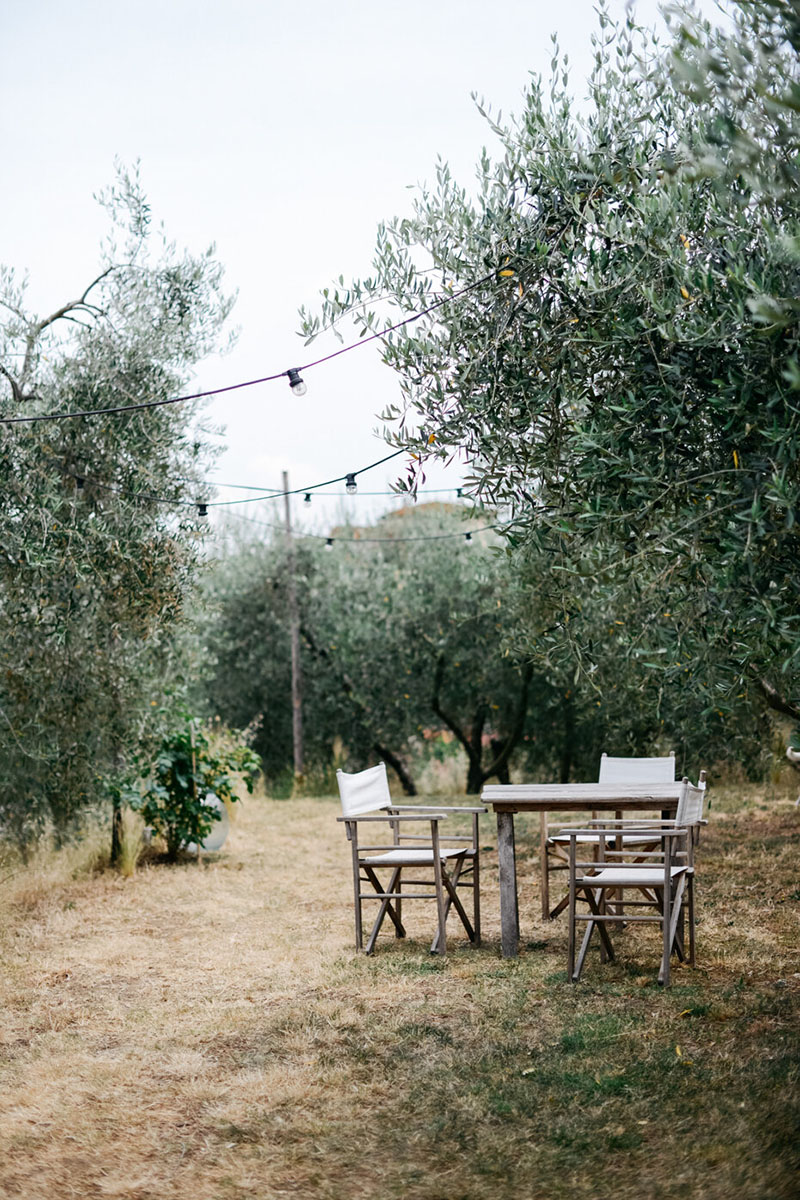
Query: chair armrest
[(427, 816), (400, 808), (624, 823), (657, 834)]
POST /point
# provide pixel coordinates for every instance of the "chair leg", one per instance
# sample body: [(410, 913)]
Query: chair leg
[(544, 866), (476, 897), (596, 907), (587, 937), (447, 904), (386, 907), (571, 948), (357, 898), (453, 898), (451, 884), (602, 908), (441, 937), (678, 945), (666, 940), (690, 902), (671, 912)]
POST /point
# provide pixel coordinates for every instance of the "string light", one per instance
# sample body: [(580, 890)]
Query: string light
[(360, 540), (177, 503), (272, 494), (306, 499), (204, 505), (350, 486), (295, 382)]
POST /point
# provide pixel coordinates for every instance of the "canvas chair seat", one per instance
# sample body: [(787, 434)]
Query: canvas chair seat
[(449, 861), (411, 858), (629, 877)]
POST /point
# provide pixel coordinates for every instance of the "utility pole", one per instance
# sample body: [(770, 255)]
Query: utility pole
[(294, 629)]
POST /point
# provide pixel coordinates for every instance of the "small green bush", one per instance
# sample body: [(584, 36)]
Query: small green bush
[(186, 769)]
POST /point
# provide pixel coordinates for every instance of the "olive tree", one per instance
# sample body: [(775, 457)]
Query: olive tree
[(618, 366), (94, 567)]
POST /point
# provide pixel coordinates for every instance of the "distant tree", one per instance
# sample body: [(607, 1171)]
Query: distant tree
[(94, 571), (420, 631), (399, 637)]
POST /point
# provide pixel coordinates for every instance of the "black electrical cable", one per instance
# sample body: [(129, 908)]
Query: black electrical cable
[(275, 495), (176, 503), (308, 488), (232, 387)]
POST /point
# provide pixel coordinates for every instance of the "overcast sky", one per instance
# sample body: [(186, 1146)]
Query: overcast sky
[(282, 132)]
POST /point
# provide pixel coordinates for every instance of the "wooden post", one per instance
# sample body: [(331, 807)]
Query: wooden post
[(294, 632)]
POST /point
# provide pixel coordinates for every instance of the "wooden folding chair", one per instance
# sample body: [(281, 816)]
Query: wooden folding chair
[(448, 861), (613, 770), (656, 865)]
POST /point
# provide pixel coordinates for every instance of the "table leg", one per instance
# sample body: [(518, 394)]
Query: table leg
[(509, 904)]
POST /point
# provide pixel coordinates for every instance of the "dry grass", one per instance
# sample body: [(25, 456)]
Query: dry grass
[(206, 1032)]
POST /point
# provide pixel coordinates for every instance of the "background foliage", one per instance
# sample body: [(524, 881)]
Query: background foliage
[(391, 631), (411, 649), (621, 378)]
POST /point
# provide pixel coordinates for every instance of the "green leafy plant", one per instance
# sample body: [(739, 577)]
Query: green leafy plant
[(186, 769)]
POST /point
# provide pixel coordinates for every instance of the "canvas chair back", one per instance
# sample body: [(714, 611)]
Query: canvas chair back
[(690, 805), (637, 770), (365, 791)]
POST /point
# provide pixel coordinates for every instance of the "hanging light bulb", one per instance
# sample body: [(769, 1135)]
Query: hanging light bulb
[(350, 485), (202, 510), (296, 382), (307, 498), (329, 543), (467, 537), (459, 493)]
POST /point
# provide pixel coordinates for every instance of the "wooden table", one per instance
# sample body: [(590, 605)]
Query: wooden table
[(510, 798)]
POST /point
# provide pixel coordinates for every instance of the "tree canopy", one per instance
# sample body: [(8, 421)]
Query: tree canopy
[(621, 375)]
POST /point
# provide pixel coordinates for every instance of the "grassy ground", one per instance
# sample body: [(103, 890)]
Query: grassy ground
[(207, 1032)]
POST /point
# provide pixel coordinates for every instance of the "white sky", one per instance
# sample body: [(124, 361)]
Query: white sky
[(282, 132)]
